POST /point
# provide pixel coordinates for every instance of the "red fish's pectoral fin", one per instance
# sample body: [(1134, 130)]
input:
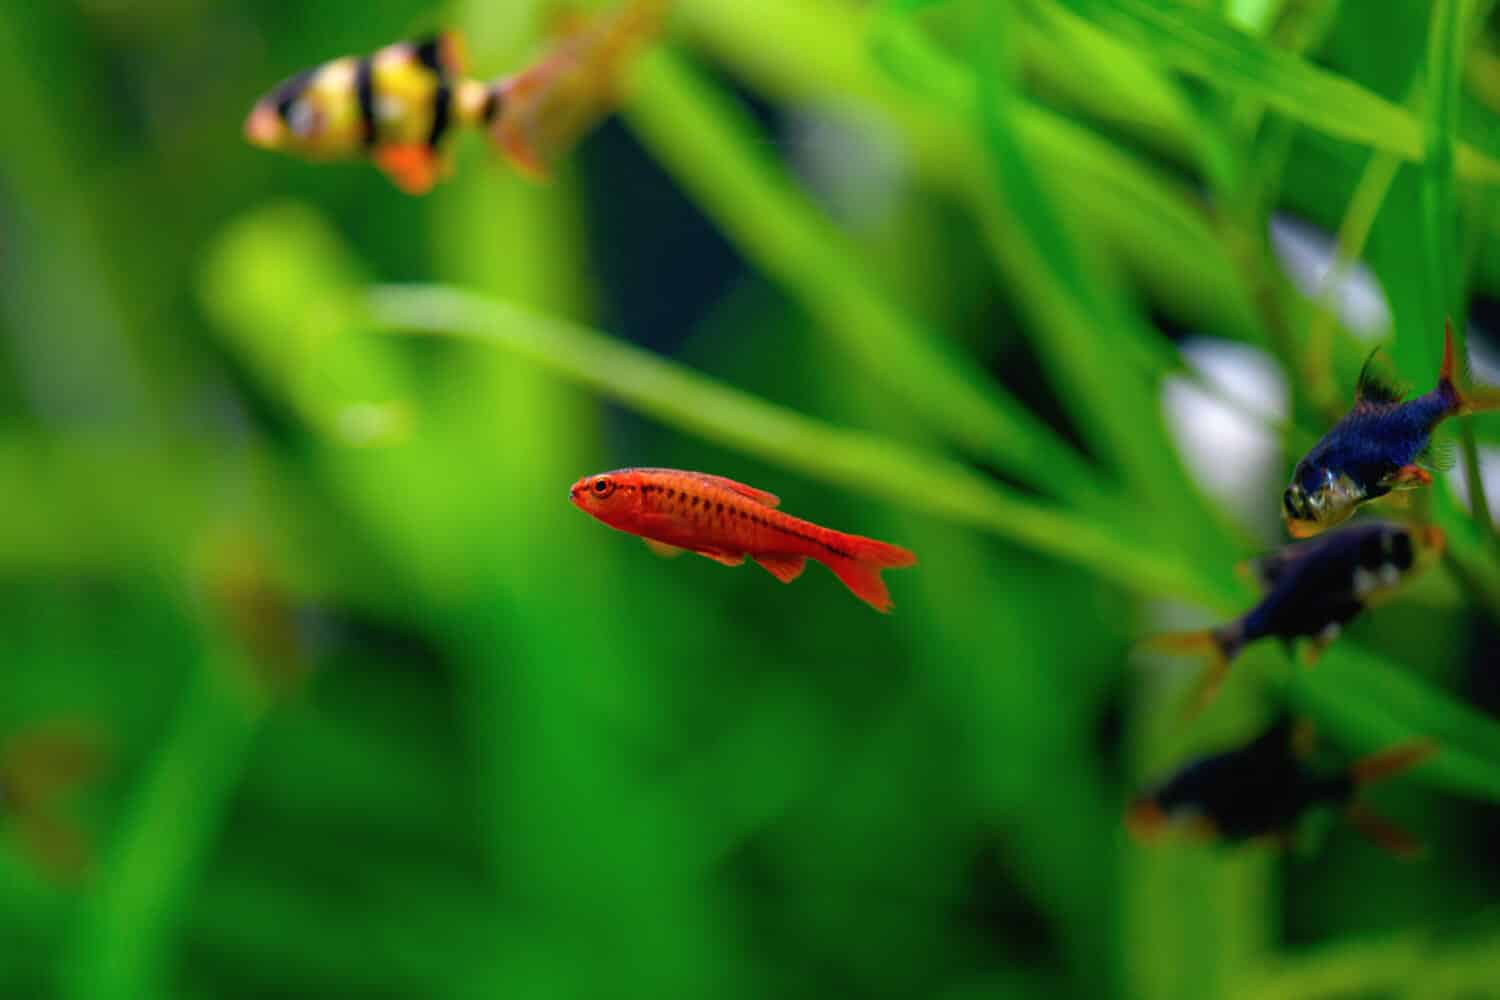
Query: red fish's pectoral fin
[(1383, 833), (721, 556), (783, 567), (663, 549), (414, 167)]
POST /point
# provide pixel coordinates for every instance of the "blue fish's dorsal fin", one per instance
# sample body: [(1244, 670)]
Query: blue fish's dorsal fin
[(1268, 568), (1377, 386)]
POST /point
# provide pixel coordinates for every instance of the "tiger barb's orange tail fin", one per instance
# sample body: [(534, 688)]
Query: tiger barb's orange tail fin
[(861, 572), (547, 107)]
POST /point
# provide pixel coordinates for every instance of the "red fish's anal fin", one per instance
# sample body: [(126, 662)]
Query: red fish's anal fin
[(785, 568), (1383, 833), (414, 167), (722, 556)]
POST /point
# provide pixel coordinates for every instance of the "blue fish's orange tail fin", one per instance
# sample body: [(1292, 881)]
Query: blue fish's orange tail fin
[(1216, 646), (1379, 767), (542, 111), (1475, 400), (1392, 761)]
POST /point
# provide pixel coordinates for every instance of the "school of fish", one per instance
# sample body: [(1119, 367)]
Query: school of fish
[(400, 107)]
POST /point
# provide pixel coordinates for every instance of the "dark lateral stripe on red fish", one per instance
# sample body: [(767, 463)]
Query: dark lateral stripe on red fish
[(754, 519), (364, 88)]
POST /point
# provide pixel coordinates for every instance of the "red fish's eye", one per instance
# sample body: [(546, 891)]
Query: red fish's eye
[(603, 487)]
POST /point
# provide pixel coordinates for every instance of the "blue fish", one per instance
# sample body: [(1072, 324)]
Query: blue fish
[(1383, 444), (1312, 590), (1266, 786)]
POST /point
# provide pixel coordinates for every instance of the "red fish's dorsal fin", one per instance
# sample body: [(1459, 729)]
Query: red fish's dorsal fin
[(1376, 385), (750, 492)]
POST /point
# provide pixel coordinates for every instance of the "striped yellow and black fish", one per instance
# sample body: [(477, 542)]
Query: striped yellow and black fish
[(399, 106)]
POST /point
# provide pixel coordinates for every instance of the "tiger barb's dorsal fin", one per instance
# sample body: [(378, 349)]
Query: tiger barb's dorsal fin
[(1376, 385)]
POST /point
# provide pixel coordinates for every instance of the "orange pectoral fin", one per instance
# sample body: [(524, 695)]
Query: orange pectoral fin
[(1409, 477), (663, 549), (413, 167), (783, 567)]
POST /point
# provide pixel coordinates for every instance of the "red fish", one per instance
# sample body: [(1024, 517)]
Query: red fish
[(726, 521)]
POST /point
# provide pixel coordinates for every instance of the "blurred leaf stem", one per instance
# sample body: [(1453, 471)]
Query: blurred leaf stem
[(1445, 52), (712, 149)]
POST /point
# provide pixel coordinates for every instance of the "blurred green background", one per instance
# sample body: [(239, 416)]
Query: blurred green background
[(386, 717)]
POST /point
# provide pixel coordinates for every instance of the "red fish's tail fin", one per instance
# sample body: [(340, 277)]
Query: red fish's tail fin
[(538, 114), (1476, 399), (860, 571), (1217, 646), (1379, 767)]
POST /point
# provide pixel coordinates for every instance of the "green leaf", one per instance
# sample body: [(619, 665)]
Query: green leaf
[(1203, 44)]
